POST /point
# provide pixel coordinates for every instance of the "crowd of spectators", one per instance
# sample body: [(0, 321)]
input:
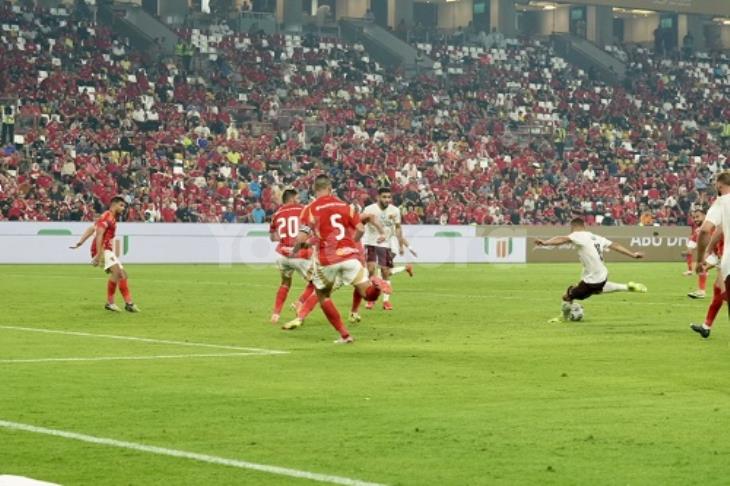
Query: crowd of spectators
[(506, 133)]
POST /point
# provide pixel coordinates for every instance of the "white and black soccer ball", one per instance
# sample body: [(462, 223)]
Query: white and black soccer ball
[(576, 312)]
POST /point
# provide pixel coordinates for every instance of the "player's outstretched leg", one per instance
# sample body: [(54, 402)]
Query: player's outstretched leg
[(408, 268), (618, 287)]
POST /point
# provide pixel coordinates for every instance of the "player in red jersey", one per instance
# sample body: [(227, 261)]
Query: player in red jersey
[(337, 225), (284, 229), (698, 217), (307, 302), (719, 292), (103, 253)]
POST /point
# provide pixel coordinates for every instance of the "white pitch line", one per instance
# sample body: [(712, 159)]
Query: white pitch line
[(128, 358), (280, 471), (144, 340)]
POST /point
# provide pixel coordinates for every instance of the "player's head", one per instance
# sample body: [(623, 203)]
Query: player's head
[(698, 216), (722, 184), (322, 185), (577, 224), (385, 197), (117, 205), (290, 196)]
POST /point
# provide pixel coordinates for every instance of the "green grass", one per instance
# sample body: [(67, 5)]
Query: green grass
[(464, 383)]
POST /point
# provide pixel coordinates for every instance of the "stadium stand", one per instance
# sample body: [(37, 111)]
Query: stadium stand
[(502, 131)]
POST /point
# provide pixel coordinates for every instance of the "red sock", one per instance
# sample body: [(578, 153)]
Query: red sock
[(280, 298), (124, 290), (329, 309), (702, 281), (689, 261), (372, 293), (111, 288), (308, 291), (717, 297), (356, 300), (308, 306)]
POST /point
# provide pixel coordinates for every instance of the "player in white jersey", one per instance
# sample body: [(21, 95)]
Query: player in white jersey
[(382, 254), (591, 248), (717, 217)]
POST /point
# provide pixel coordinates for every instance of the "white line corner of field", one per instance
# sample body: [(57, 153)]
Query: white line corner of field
[(222, 461)]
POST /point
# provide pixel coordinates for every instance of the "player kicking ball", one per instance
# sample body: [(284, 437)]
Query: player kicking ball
[(105, 232), (594, 281)]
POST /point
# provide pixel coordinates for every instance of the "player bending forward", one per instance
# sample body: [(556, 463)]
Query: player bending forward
[(333, 221), (284, 229), (595, 274), (106, 229), (382, 254), (719, 295), (717, 217)]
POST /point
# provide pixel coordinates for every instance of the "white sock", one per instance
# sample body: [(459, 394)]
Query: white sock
[(614, 287), (386, 297), (396, 270), (705, 326)]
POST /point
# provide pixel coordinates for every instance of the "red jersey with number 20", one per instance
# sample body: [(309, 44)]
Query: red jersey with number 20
[(285, 223), (334, 222), (108, 223)]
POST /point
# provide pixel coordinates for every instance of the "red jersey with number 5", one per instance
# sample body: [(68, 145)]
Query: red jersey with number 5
[(107, 223), (285, 223), (334, 222)]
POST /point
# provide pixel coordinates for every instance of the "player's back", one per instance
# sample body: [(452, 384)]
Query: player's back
[(285, 223), (334, 222)]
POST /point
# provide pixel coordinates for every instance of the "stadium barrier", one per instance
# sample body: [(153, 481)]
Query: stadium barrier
[(248, 243), (227, 244), (660, 244)]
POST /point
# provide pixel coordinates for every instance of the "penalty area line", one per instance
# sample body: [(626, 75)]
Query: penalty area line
[(162, 451), (126, 358), (143, 340)]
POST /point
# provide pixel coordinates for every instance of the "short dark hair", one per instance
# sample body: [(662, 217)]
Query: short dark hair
[(700, 209), (288, 195), (322, 182), (383, 190), (724, 178), (577, 222), (117, 199)]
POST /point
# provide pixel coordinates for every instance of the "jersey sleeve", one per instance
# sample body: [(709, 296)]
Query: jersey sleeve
[(575, 239), (714, 215), (102, 222), (398, 217)]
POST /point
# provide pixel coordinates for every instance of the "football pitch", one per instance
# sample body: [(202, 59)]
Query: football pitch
[(464, 383)]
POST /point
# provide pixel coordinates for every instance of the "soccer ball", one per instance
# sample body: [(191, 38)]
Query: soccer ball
[(576, 312)]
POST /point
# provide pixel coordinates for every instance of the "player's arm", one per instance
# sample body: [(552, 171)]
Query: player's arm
[(100, 229), (554, 241), (88, 232), (703, 242), (714, 240), (402, 242), (369, 219), (625, 251)]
